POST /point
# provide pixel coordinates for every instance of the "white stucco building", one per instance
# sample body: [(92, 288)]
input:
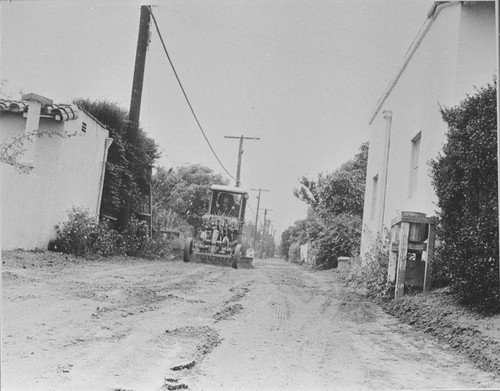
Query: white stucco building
[(454, 51), (65, 171)]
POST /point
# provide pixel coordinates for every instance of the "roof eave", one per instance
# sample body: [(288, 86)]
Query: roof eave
[(432, 14)]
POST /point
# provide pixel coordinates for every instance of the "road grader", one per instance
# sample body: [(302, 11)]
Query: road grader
[(219, 241)]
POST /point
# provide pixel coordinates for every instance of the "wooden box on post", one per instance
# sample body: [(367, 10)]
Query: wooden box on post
[(409, 231)]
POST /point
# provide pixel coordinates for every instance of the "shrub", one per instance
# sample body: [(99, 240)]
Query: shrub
[(294, 253), (156, 247), (370, 272), (82, 235), (135, 237), (440, 272), (465, 179), (340, 236), (481, 278), (76, 235), (107, 241)]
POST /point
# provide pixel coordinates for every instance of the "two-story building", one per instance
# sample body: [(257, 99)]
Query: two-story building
[(454, 51)]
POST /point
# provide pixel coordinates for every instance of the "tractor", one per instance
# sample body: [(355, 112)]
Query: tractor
[(219, 241)]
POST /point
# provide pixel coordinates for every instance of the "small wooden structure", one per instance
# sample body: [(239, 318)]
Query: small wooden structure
[(409, 233)]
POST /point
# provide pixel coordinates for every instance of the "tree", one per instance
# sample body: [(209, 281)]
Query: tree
[(333, 223), (300, 232), (338, 192), (465, 178), (183, 193)]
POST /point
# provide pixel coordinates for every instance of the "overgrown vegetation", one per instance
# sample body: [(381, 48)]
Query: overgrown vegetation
[(370, 273), (82, 235), (181, 196), (334, 219), (131, 157), (465, 178)]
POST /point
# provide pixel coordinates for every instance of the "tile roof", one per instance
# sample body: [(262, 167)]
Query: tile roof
[(62, 112), (13, 106)]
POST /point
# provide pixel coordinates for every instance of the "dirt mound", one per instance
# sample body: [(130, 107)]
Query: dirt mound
[(228, 312), (436, 313)]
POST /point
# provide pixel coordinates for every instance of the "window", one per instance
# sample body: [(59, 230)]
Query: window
[(374, 196), (414, 162), (84, 127)]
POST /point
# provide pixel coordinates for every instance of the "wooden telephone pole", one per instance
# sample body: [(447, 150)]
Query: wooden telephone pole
[(140, 64), (265, 215), (257, 214), (240, 152), (264, 247), (135, 99)]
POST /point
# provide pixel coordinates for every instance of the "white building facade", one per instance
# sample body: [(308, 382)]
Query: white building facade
[(66, 167), (454, 52)]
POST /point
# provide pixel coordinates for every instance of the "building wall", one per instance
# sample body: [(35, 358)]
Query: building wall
[(67, 173), (457, 53)]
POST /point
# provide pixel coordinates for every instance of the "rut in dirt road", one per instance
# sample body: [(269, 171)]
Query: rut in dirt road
[(133, 324)]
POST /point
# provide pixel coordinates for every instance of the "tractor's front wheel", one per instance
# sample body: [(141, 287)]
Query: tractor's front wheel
[(188, 250), (236, 256)]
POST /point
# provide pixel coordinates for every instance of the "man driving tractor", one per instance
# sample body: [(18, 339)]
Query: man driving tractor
[(225, 205)]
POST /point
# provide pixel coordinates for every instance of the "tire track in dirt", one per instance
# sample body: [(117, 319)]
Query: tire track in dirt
[(208, 337)]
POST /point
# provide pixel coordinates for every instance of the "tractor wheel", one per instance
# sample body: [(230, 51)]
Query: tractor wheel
[(188, 250), (236, 256)]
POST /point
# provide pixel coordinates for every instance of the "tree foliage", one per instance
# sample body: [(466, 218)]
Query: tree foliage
[(333, 223), (181, 195), (465, 178), (339, 236), (130, 158), (339, 192), (300, 232)]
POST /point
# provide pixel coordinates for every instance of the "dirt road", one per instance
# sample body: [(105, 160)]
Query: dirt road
[(154, 325)]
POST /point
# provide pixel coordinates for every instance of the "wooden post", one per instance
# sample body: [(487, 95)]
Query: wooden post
[(430, 256), (140, 64), (135, 105), (257, 215), (393, 255), (402, 254)]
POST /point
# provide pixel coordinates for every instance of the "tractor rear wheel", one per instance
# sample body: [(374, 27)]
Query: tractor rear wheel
[(188, 250), (236, 256)]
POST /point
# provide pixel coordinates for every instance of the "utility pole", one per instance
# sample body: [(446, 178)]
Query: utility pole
[(140, 64), (257, 214), (135, 99), (265, 215), (264, 230), (240, 152)]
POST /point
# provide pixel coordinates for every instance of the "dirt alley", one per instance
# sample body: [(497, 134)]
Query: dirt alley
[(133, 324)]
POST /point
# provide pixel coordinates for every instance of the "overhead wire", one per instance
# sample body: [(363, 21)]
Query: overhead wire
[(185, 95)]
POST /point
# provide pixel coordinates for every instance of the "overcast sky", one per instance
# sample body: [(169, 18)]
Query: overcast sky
[(303, 76)]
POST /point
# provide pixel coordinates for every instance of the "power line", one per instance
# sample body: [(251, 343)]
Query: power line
[(185, 95)]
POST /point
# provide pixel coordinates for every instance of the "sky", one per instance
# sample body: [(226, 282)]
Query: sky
[(303, 76)]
